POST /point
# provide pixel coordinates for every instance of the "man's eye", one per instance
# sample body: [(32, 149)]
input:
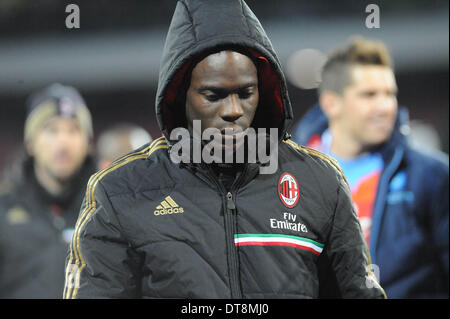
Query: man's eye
[(51, 129), (368, 94), (392, 94), (212, 97), (245, 95)]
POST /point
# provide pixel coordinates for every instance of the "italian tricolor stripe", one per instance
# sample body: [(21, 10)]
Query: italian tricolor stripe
[(278, 240)]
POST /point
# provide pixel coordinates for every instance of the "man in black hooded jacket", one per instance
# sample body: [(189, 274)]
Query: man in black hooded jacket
[(154, 228)]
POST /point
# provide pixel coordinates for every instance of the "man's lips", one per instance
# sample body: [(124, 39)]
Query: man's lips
[(380, 124), (228, 134), (62, 158), (231, 130)]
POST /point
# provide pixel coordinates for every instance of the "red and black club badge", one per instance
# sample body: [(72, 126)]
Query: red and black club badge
[(288, 190)]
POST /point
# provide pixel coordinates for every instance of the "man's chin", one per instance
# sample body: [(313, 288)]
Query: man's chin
[(375, 142), (63, 175), (229, 145), (224, 152)]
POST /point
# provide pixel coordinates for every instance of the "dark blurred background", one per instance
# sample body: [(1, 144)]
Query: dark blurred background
[(113, 58)]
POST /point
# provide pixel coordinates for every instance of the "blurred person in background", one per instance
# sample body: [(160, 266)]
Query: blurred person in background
[(118, 140), (39, 212), (400, 193)]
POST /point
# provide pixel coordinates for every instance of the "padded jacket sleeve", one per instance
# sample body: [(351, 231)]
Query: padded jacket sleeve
[(437, 217), (101, 263), (347, 253)]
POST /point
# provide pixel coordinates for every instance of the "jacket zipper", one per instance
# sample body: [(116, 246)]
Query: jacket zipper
[(380, 201), (230, 228), (230, 231)]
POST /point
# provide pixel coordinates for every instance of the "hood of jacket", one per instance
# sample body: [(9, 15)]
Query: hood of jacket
[(203, 27), (314, 123)]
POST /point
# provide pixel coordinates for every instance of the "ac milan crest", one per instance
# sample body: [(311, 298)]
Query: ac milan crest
[(288, 190)]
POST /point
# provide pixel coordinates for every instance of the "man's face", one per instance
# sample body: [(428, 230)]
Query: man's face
[(368, 106), (60, 148), (223, 94)]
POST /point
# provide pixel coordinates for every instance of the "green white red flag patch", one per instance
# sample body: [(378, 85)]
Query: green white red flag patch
[(278, 240)]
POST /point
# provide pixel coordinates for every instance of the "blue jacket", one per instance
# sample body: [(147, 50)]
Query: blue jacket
[(409, 237)]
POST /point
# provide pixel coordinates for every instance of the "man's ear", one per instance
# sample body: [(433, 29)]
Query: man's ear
[(91, 147), (330, 103), (29, 148)]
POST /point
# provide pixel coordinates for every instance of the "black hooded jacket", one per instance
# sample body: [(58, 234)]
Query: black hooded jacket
[(35, 230), (150, 228)]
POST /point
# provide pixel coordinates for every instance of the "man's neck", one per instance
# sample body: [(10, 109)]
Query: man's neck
[(344, 146), (53, 186), (227, 173)]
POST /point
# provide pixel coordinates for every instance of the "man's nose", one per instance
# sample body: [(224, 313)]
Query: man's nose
[(232, 108), (386, 103), (63, 139)]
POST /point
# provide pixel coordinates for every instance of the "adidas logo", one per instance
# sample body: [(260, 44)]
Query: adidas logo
[(168, 206)]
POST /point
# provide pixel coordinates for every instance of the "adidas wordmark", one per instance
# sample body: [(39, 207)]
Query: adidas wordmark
[(168, 206)]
